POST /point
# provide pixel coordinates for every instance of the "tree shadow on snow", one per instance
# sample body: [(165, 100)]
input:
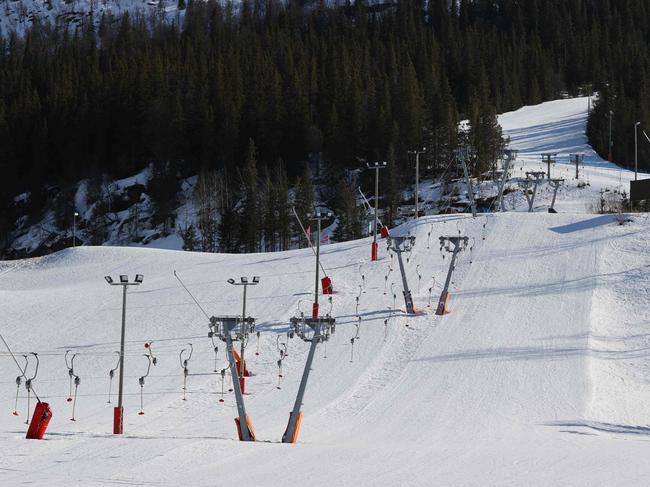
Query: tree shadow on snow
[(585, 224), (600, 427)]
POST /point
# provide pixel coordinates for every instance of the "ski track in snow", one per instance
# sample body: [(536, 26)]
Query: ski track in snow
[(538, 376)]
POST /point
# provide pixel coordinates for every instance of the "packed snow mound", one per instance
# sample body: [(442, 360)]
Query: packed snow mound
[(537, 376)]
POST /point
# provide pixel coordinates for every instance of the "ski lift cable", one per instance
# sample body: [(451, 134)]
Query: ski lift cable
[(191, 295), (22, 371)]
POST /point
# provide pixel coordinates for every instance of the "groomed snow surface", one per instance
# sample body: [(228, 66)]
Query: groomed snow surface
[(538, 376)]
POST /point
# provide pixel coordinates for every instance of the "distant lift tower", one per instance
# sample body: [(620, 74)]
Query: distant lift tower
[(555, 184), (463, 156), (399, 245), (510, 156), (577, 159), (535, 178), (314, 330), (454, 245), (223, 327), (548, 159)]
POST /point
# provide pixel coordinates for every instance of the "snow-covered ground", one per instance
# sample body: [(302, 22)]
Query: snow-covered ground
[(538, 376)]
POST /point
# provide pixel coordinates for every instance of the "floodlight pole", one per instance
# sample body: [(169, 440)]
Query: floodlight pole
[(118, 412), (74, 228), (636, 149), (459, 244), (318, 217), (417, 179), (610, 136), (243, 282), (376, 166)]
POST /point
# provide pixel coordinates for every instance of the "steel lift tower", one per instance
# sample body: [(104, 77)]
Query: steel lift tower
[(511, 155), (454, 245), (463, 156), (555, 184), (313, 330), (548, 159), (399, 245), (577, 159), (223, 328), (535, 178)]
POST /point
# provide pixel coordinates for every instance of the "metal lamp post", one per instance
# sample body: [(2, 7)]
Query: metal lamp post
[(417, 179), (611, 112), (376, 166), (243, 282), (636, 149), (318, 217), (118, 412), (74, 228)]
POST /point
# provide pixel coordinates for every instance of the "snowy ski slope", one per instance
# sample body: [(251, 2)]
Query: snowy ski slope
[(538, 376)]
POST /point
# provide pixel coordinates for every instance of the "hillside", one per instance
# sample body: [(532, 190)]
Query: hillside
[(538, 375)]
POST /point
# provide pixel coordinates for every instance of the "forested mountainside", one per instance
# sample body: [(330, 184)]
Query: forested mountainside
[(252, 91)]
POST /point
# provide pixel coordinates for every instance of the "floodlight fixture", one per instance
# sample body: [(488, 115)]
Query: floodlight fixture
[(256, 279), (231, 281), (124, 278), (109, 279), (244, 280), (139, 278)]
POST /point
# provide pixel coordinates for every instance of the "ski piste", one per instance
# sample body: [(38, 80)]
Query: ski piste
[(537, 376)]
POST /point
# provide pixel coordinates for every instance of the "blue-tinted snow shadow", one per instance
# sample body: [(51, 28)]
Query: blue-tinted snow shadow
[(585, 224), (508, 354), (600, 427)]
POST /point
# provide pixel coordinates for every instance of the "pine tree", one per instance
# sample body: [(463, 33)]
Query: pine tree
[(249, 221)]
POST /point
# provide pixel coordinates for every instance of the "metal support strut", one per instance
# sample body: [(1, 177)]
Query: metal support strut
[(299, 325), (399, 245), (534, 178), (459, 244), (555, 184), (222, 327)]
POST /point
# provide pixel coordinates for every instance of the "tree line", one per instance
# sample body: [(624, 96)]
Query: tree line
[(304, 81)]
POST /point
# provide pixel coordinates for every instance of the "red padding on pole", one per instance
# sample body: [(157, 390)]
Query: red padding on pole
[(327, 285), (442, 305), (384, 232), (374, 251), (40, 420), (314, 311), (118, 420)]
